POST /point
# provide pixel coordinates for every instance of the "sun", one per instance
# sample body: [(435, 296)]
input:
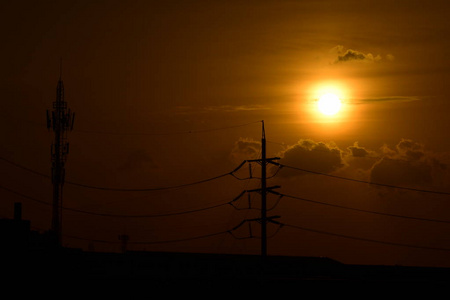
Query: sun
[(329, 104)]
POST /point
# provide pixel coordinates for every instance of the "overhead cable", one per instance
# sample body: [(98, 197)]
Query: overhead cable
[(363, 181), (362, 210), (128, 189), (365, 239), (122, 215)]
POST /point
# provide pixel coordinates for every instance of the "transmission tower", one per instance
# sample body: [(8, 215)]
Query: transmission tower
[(263, 191), (60, 121)]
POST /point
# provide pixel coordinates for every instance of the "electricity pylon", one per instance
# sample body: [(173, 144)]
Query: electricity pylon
[(60, 121), (263, 191)]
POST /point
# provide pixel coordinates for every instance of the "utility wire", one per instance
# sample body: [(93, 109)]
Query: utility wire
[(230, 231), (148, 189), (362, 210), (231, 173), (24, 196), (363, 181), (281, 225), (364, 239), (25, 168), (154, 242), (127, 189), (120, 215)]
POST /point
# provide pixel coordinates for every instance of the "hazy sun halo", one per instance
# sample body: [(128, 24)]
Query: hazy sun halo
[(329, 104)]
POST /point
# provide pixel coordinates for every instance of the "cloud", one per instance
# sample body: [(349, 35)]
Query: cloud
[(313, 156), (245, 149), (357, 151), (387, 99), (410, 149), (230, 108), (390, 57), (349, 55), (401, 172), (356, 55), (408, 164)]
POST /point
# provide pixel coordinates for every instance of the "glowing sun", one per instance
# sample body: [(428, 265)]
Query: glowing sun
[(329, 104)]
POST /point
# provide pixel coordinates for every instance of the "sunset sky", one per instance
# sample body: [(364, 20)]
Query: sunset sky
[(167, 93)]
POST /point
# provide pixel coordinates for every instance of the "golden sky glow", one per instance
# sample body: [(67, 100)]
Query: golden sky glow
[(150, 81)]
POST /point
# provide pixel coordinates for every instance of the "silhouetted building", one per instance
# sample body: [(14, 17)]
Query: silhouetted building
[(15, 233)]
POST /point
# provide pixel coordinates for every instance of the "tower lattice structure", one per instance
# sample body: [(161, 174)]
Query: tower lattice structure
[(60, 120)]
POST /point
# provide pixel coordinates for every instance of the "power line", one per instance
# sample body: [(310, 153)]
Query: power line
[(281, 225), (24, 196), (230, 231), (363, 181), (129, 189), (362, 210), (25, 168), (364, 239), (121, 215), (148, 189), (232, 174), (153, 242)]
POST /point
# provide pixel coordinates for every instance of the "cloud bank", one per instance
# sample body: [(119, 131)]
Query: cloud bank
[(406, 164)]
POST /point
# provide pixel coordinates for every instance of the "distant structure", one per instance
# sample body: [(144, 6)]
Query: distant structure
[(124, 238), (264, 219), (60, 121)]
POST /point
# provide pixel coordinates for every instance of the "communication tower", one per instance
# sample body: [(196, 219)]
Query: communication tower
[(60, 121)]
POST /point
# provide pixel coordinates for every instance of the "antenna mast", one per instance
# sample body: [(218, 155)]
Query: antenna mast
[(60, 121)]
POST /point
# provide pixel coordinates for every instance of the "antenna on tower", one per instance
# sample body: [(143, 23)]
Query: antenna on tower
[(60, 68), (60, 121)]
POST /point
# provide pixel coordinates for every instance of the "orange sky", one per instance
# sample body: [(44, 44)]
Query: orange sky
[(140, 75)]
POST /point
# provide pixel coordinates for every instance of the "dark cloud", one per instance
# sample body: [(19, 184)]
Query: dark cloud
[(408, 164), (410, 149), (245, 149), (401, 172), (354, 55), (387, 99), (357, 151), (313, 156), (350, 55)]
